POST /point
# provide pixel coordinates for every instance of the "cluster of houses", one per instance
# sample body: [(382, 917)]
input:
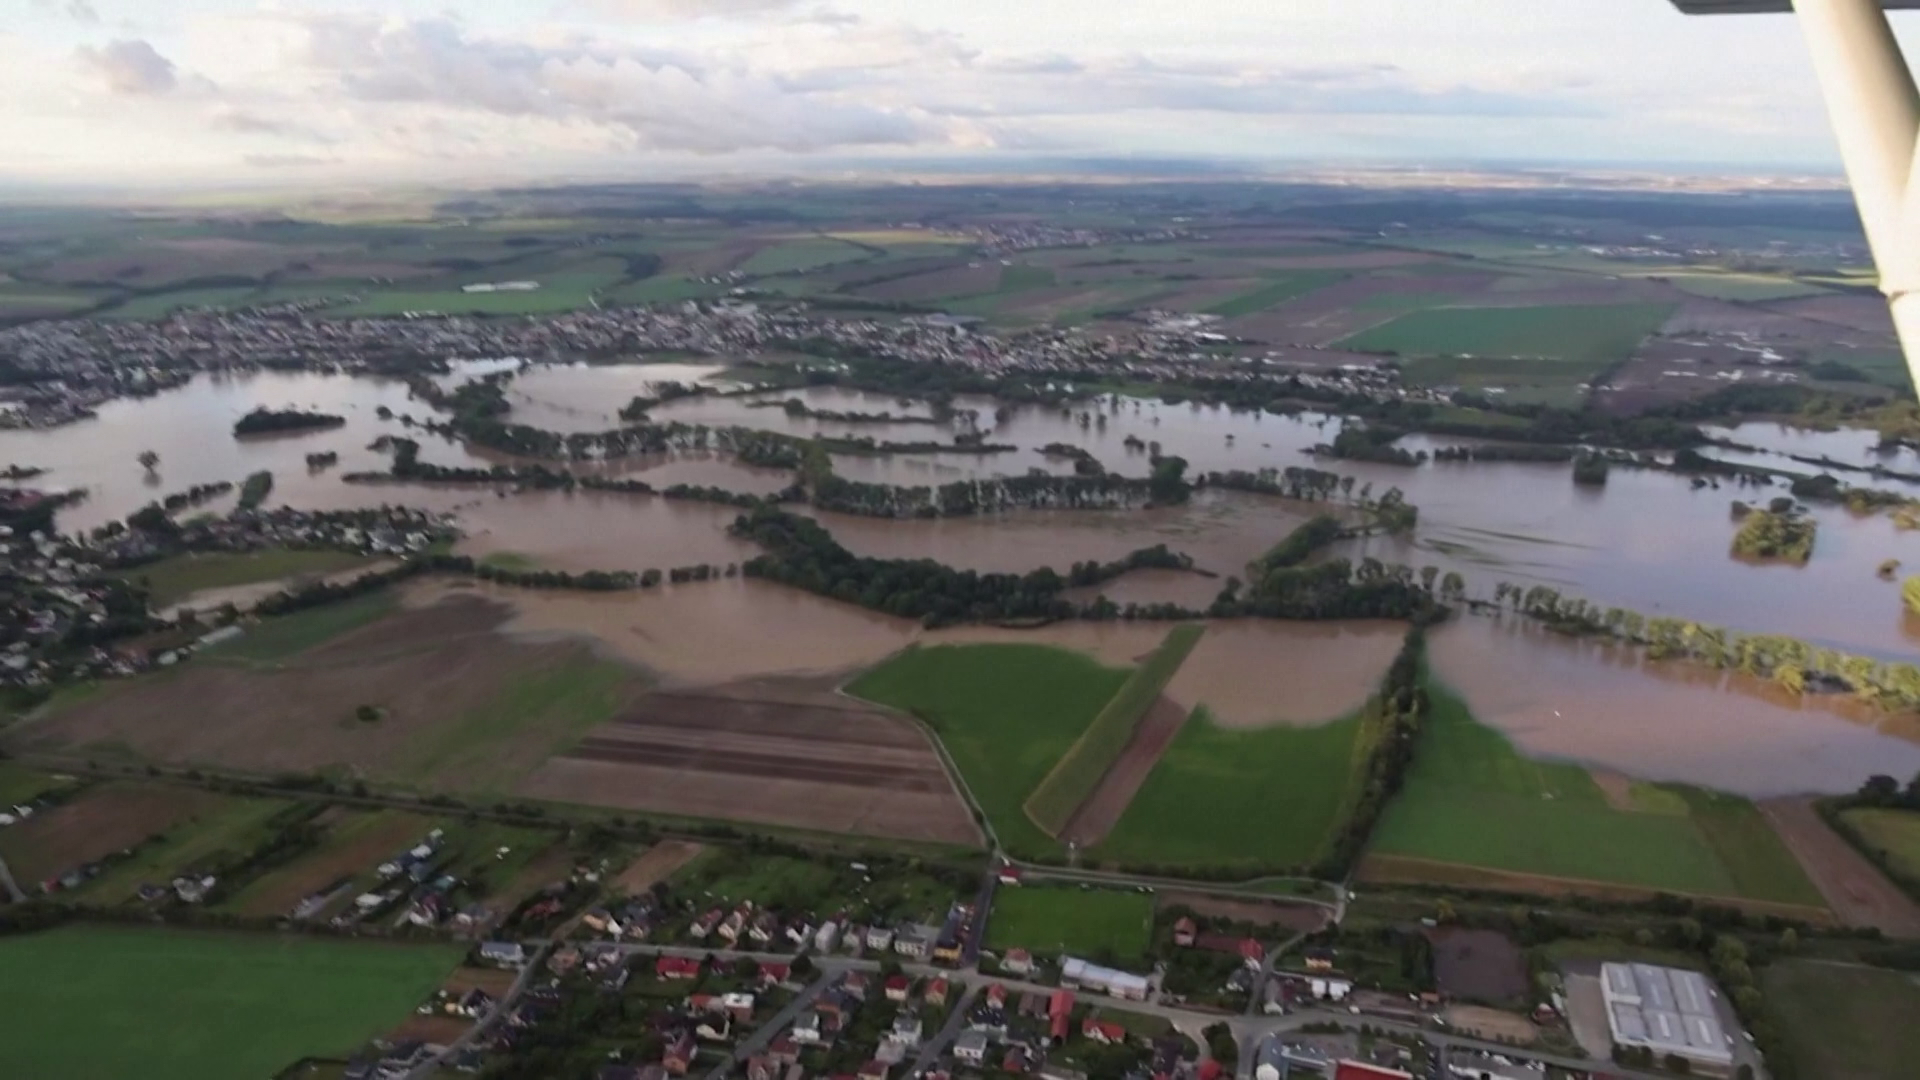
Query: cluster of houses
[(1315, 982), (747, 926)]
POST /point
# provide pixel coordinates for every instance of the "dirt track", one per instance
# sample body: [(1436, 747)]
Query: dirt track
[(778, 751), (1857, 891), (1097, 816)]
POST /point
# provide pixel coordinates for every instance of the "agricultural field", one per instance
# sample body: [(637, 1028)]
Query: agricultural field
[(1846, 1021), (1284, 288), (101, 821), (1471, 800), (1005, 713), (1099, 748), (1896, 833), (455, 706), (171, 1004), (19, 784), (173, 579), (354, 842), (1084, 922), (1261, 799), (786, 753), (729, 875), (1589, 335), (801, 255), (202, 844)]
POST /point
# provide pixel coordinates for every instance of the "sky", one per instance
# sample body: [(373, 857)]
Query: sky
[(171, 92)]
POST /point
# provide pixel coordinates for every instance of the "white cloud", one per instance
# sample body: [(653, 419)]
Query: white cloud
[(131, 67)]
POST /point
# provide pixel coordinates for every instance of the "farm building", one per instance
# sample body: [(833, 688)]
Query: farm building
[(1667, 1010), (1120, 984)]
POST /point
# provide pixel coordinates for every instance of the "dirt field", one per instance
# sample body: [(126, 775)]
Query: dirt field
[(1868, 314), (1492, 1024), (1097, 816), (1301, 918), (432, 671), (433, 1030), (1857, 891), (1479, 964), (658, 863), (1400, 870), (107, 819), (778, 751), (354, 852)]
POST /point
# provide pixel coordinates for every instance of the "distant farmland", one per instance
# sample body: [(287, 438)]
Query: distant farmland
[(1591, 335)]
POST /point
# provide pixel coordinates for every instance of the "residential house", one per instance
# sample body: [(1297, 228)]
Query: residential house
[(679, 1055), (563, 960), (705, 924), (807, 1030), (914, 942), (714, 1026), (798, 933), (1009, 874), (1017, 1060), (1017, 962), (899, 988), (873, 1070), (762, 1067), (1320, 959), (937, 992), (765, 926), (675, 968), (785, 1050), (738, 1005), (906, 1029), (1184, 931), (1103, 1031), (730, 927), (971, 1047), (1033, 1005), (509, 954), (879, 937), (773, 974), (1059, 1016), (1166, 1056), (825, 938), (855, 983), (997, 995)]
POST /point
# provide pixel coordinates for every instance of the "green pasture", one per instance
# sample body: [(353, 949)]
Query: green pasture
[(659, 289), (799, 256), (1005, 713), (179, 576), (1586, 334), (1846, 1021), (1472, 799), (1896, 833), (1091, 923), (280, 637), (1728, 285), (224, 834), (1257, 799), (19, 784), (1080, 770), (178, 1005)]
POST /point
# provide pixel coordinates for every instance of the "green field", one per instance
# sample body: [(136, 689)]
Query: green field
[(732, 875), (278, 638), (799, 256), (1005, 713), (1472, 799), (1285, 286), (1896, 833), (660, 289), (19, 784), (174, 578), (1521, 380), (1085, 764), (1726, 285), (1259, 799), (226, 833), (111, 1002), (1093, 924), (556, 705), (1845, 1021), (1597, 334)]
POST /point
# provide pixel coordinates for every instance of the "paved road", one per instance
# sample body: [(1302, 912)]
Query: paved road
[(13, 889), (535, 962), (778, 1023), (931, 1050), (1257, 999)]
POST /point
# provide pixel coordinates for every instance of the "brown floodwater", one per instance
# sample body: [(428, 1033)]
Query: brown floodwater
[(1646, 541), (1603, 705), (1252, 673), (589, 397)]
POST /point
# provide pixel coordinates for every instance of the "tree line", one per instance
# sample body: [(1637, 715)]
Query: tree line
[(1790, 662), (265, 421)]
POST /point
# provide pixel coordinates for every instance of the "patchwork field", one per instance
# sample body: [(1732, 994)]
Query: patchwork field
[(777, 752), (460, 707), (1845, 1021), (1896, 833), (169, 1004), (354, 843), (1085, 922), (1005, 713), (1855, 888), (1472, 800), (98, 822)]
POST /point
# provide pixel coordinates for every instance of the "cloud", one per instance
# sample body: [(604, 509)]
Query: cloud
[(659, 99), (664, 10), (80, 11), (130, 67), (286, 161)]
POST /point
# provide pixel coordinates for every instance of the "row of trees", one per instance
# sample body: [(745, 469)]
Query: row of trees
[(1790, 662), (1370, 442), (1397, 713), (799, 409)]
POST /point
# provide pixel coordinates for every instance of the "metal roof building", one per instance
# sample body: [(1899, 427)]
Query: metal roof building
[(1666, 1010)]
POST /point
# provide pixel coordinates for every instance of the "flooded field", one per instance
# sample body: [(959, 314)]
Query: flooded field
[(1252, 673), (589, 397), (1606, 706)]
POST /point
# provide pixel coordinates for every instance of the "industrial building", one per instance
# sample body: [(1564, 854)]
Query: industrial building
[(1121, 984), (1666, 1010)]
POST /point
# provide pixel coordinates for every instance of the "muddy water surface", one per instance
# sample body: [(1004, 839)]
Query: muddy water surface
[(1258, 673), (1562, 698), (589, 397)]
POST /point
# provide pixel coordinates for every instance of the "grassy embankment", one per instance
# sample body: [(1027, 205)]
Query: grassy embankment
[(1080, 770), (177, 577), (1005, 713), (165, 1004), (1472, 800)]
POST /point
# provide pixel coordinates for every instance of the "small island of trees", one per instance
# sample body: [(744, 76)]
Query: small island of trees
[(265, 421), (1782, 531)]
